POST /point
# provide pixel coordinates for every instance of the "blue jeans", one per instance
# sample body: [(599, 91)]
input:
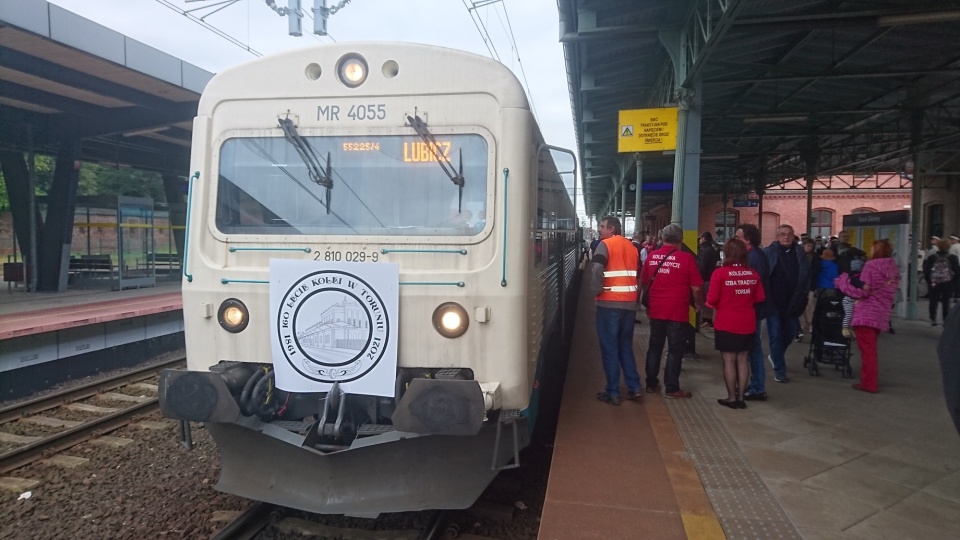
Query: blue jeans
[(615, 333), (758, 372), (674, 333), (781, 330)]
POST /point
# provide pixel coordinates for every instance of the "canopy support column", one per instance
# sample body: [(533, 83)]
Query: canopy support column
[(916, 213)]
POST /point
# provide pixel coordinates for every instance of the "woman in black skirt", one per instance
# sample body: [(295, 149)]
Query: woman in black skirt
[(734, 290)]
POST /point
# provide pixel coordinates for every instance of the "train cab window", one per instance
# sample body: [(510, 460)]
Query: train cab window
[(377, 185)]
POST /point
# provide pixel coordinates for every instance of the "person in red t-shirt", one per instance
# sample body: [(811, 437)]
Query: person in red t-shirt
[(671, 275), (734, 291)]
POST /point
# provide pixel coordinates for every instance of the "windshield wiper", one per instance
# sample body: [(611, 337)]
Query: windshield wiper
[(309, 157), (420, 127)]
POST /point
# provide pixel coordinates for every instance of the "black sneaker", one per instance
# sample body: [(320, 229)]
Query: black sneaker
[(634, 396), (750, 396)]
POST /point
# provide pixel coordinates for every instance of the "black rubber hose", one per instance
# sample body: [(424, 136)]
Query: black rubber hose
[(245, 407), (263, 409)]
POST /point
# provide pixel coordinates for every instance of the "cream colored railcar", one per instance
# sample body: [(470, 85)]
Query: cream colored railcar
[(419, 158)]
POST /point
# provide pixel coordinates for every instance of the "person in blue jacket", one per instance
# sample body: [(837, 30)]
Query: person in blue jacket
[(828, 271)]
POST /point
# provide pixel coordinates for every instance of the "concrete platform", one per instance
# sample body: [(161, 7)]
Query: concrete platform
[(817, 460), (23, 314)]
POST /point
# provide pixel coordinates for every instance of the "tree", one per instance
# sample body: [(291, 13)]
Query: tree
[(127, 182), (95, 179)]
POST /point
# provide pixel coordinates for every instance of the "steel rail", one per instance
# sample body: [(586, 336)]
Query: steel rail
[(437, 526), (58, 442), (261, 514), (247, 524), (43, 403)]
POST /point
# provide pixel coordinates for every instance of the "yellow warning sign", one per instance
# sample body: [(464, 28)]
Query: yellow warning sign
[(647, 130)]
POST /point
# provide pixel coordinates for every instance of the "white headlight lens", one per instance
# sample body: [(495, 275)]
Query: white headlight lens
[(450, 320), (233, 315), (352, 70)]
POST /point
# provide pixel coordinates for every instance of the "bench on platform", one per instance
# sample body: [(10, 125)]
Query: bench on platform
[(164, 263), (91, 267)]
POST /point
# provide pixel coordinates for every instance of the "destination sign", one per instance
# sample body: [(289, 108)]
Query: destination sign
[(647, 130), (422, 152), (365, 146), (413, 152)]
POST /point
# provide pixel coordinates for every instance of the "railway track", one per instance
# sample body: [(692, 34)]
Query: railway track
[(33, 448), (261, 515)]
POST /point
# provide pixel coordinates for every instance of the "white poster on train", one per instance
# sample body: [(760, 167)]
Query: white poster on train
[(334, 322)]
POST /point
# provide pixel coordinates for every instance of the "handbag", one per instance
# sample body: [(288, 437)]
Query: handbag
[(645, 297)]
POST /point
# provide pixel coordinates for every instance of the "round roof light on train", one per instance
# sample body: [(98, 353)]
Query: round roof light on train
[(390, 69), (233, 315), (313, 71), (352, 70), (450, 320)]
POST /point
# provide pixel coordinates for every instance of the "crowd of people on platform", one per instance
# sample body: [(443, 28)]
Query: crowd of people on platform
[(735, 288)]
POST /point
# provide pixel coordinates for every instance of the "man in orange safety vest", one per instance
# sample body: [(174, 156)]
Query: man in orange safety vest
[(614, 284)]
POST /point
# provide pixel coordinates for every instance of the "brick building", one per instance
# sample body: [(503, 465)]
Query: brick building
[(789, 206)]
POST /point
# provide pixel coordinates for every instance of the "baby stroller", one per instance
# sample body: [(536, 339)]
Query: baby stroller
[(828, 345)]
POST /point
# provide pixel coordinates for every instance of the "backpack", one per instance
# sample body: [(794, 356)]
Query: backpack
[(941, 272)]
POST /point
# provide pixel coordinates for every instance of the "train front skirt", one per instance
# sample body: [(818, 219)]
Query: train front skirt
[(441, 451), (391, 472)]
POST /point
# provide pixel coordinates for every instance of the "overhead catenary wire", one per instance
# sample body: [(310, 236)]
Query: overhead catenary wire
[(520, 63), (210, 27), (484, 35), (223, 5), (223, 33), (491, 48)]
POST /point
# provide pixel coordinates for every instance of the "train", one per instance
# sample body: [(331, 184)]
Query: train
[(379, 256)]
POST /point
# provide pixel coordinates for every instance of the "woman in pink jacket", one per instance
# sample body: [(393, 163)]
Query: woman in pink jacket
[(871, 313)]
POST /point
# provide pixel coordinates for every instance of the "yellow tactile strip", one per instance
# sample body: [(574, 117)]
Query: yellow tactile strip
[(743, 504), (699, 519)]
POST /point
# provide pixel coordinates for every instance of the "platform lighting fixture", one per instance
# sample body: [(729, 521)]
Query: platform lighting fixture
[(719, 157), (775, 119), (919, 18)]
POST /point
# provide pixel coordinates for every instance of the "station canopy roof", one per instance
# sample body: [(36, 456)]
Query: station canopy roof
[(66, 78), (850, 80)]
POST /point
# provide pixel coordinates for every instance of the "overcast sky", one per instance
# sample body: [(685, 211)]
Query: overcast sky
[(439, 22)]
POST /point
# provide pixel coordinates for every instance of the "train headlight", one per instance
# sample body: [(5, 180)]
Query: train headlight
[(233, 315), (352, 70), (450, 319)]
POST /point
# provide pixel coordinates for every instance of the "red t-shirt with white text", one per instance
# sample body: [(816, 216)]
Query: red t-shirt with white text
[(734, 290), (670, 293)]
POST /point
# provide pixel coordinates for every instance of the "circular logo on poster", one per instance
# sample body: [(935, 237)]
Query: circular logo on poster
[(332, 326)]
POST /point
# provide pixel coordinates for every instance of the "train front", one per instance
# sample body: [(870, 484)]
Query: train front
[(356, 277)]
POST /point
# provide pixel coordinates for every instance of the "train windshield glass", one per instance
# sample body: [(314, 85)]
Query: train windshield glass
[(378, 185)]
